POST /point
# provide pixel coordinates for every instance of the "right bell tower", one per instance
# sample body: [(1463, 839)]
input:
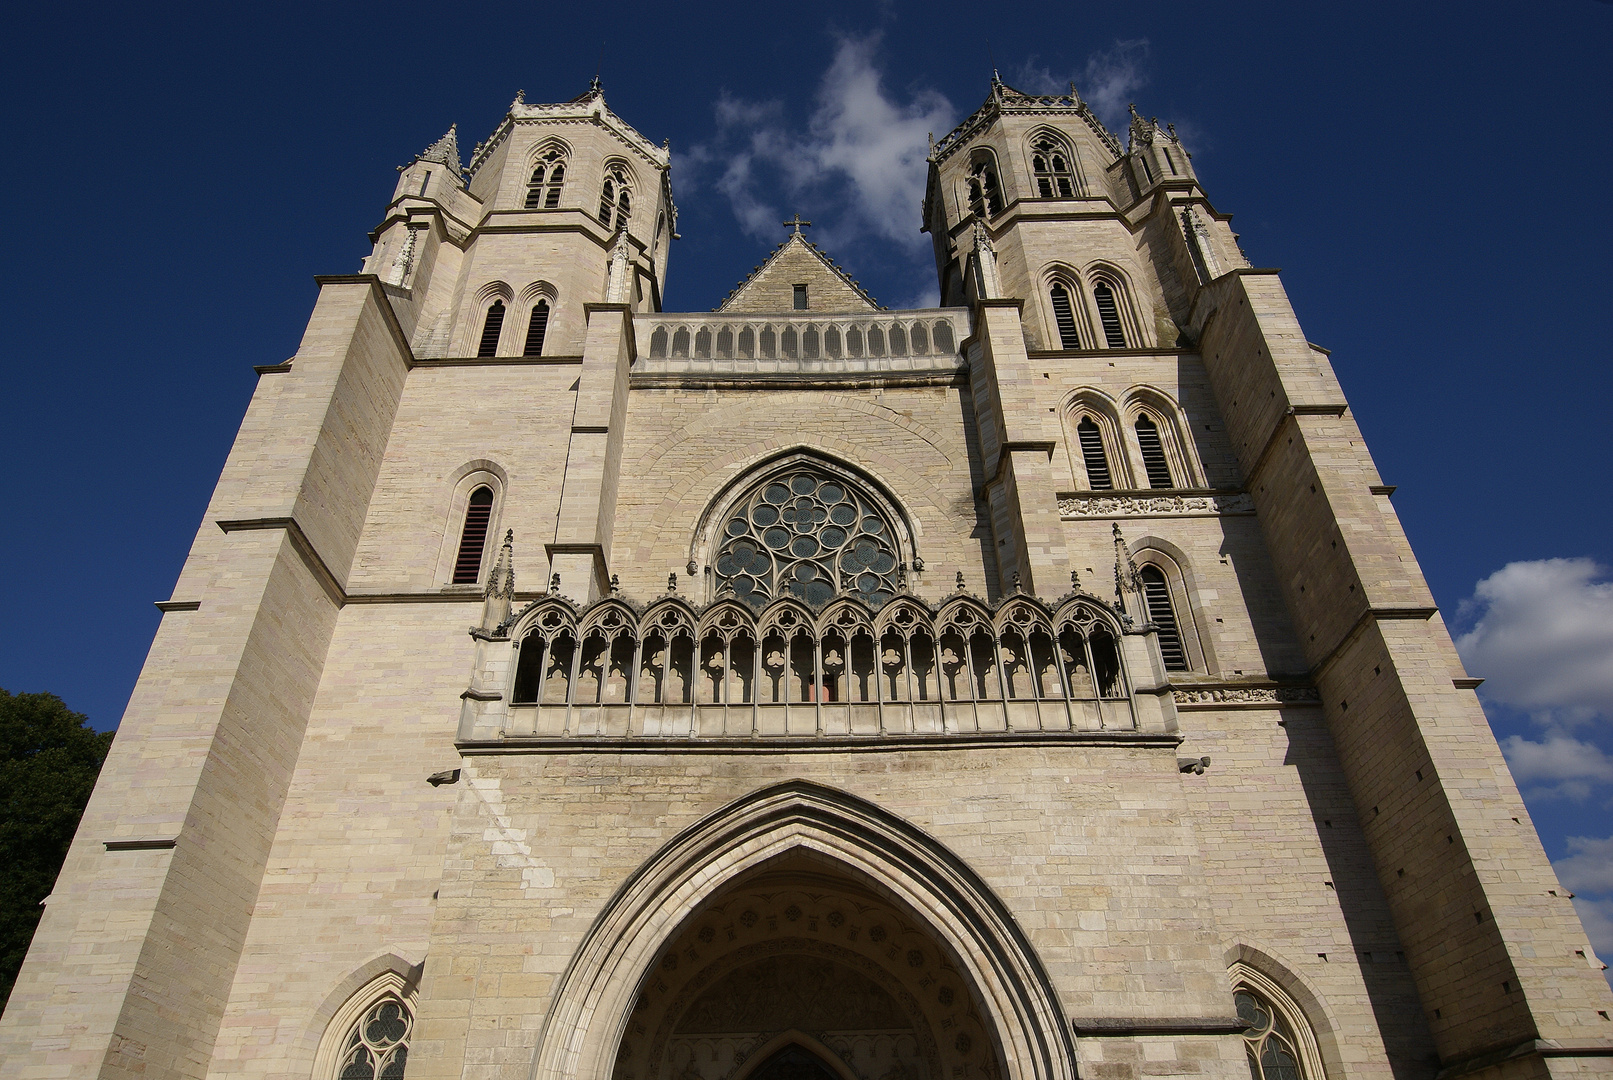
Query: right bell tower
[(1131, 368)]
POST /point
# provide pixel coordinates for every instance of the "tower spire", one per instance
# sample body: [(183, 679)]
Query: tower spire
[(445, 151)]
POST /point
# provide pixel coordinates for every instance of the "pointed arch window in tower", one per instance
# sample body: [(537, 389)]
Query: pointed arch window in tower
[(1109, 315), (1269, 1041), (1051, 164), (492, 328), (1159, 470), (378, 1048), (1157, 596), (543, 189), (1091, 439), (1064, 315), (536, 326), (473, 538), (615, 201), (810, 534), (985, 195)]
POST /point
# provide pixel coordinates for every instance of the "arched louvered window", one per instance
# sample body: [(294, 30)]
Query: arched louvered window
[(1051, 164), (491, 329), (1158, 469), (378, 1048), (1091, 440), (543, 189), (1109, 315), (985, 194), (615, 202), (1157, 595), (468, 563), (1064, 316), (536, 327)]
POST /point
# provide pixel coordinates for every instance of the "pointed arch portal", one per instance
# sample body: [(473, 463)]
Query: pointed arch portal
[(802, 908)]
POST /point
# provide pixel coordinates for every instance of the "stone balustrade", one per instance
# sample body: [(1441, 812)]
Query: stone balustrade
[(922, 340)]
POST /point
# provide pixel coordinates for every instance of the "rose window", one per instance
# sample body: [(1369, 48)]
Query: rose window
[(809, 535)]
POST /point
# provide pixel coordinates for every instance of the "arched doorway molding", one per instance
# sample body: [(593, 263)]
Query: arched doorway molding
[(825, 1055), (594, 997)]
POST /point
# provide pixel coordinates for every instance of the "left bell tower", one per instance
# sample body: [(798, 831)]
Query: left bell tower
[(500, 256)]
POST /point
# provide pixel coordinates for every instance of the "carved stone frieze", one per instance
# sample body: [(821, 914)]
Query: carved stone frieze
[(1110, 506), (1248, 695)]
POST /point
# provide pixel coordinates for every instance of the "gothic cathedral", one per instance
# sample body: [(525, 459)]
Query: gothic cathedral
[(1034, 687)]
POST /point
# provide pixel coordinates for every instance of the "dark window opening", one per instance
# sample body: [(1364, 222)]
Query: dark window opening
[(1109, 315), (1142, 159), (1091, 439), (491, 329), (536, 327), (1159, 470), (800, 298), (1064, 315), (1157, 597), (468, 564)]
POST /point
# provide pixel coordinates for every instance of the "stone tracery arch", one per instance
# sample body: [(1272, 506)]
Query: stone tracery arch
[(592, 1012)]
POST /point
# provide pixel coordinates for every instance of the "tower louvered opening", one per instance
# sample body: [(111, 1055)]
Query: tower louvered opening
[(1064, 315), (491, 329), (1091, 439), (1159, 470), (536, 327), (1157, 597), (468, 564), (1109, 315)]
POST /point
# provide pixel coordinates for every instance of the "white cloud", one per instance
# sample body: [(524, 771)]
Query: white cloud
[(1543, 638), (1588, 867), (1597, 917), (1559, 766), (861, 156)]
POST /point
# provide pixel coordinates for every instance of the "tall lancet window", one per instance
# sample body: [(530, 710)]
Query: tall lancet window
[(543, 189), (1109, 315), (378, 1048), (1064, 316), (473, 538), (536, 326), (615, 200), (492, 328), (1159, 470), (808, 533), (985, 194), (1050, 161), (1097, 463), (1157, 596)]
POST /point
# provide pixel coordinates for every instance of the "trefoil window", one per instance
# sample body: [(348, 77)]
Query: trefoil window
[(543, 189), (1269, 1042), (808, 534), (468, 563), (1051, 164), (378, 1048)]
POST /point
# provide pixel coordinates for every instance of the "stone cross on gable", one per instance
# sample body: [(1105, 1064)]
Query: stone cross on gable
[(797, 222)]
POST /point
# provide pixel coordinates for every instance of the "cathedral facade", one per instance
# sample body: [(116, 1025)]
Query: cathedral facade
[(1035, 687)]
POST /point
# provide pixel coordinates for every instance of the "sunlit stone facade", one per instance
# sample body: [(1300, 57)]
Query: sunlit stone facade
[(1035, 687)]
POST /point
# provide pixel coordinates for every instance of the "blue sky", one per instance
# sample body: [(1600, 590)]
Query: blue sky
[(1424, 175)]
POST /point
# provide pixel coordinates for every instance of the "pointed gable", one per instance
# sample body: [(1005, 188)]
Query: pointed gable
[(771, 287)]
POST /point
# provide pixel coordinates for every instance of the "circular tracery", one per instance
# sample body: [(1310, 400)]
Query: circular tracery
[(810, 535)]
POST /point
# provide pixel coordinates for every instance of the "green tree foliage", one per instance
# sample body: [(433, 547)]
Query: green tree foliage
[(49, 761)]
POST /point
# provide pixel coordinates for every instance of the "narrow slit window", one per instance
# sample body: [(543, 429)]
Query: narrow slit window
[(468, 563), (1159, 470), (491, 329), (534, 188), (536, 327), (1091, 439), (1157, 596), (800, 297), (1142, 159), (425, 182), (1064, 315), (557, 177), (1109, 315), (607, 200)]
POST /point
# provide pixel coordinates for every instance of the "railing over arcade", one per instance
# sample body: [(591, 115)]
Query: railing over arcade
[(924, 340), (672, 670)]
